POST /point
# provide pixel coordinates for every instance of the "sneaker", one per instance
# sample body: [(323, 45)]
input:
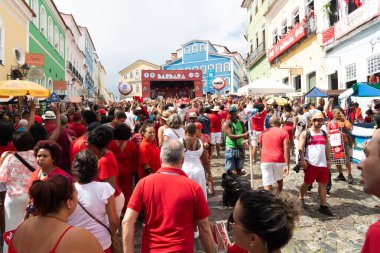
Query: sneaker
[(350, 179), (325, 210), (340, 177), (328, 193), (310, 188)]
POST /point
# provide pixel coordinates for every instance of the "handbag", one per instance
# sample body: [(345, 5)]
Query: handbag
[(115, 246)]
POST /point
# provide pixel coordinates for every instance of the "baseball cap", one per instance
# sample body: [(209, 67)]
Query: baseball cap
[(232, 109), (38, 119), (102, 111)]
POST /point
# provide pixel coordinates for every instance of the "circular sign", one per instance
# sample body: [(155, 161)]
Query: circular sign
[(125, 88), (219, 83)]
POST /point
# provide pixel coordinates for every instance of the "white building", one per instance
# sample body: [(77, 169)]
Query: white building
[(75, 59)]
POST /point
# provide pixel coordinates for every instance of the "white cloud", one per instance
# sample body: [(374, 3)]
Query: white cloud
[(124, 31)]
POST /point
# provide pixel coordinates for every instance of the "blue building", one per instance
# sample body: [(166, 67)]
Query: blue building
[(214, 61)]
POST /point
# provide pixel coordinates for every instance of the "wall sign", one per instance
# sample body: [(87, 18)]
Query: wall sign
[(295, 35)]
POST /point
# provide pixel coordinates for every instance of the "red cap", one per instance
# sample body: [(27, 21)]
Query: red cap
[(38, 119), (102, 111), (199, 125)]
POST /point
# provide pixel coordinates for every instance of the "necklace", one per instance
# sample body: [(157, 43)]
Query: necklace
[(44, 174)]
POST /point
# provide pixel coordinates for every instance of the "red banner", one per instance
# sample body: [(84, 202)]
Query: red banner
[(60, 85), (171, 75), (328, 36), (295, 35), (34, 59)]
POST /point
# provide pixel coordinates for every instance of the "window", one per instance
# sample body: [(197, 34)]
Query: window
[(297, 82), (56, 38), (204, 84), (126, 76), (285, 80), (202, 48), (34, 7), (218, 67), (210, 66), (61, 45), (187, 50), (284, 27), (137, 87), (195, 68), (137, 74), (131, 74), (373, 64), (50, 30), (43, 21), (311, 80), (203, 68), (195, 48), (257, 40), (228, 82), (274, 36), (296, 16), (351, 72), (227, 67), (50, 84)]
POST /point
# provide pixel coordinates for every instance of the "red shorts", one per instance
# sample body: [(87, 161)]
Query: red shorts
[(314, 173)]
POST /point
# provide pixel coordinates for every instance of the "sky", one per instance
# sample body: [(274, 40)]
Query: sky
[(125, 31)]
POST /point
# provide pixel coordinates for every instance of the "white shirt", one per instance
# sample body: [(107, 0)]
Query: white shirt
[(130, 121), (94, 197), (174, 134), (316, 150)]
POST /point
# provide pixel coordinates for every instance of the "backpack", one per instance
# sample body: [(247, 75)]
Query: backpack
[(308, 137), (233, 186)]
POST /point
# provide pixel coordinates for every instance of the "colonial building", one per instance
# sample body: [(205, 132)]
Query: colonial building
[(132, 75), (87, 45), (351, 38), (47, 34), (75, 58), (256, 62), (294, 42), (15, 16), (214, 61)]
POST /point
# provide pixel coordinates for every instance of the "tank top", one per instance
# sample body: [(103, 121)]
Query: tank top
[(236, 129), (8, 238), (316, 149)]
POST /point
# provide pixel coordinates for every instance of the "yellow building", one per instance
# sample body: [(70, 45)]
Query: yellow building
[(15, 16), (132, 75)]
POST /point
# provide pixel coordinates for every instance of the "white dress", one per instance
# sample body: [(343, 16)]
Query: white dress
[(193, 167)]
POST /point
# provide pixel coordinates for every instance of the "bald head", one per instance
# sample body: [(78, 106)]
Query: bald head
[(274, 121)]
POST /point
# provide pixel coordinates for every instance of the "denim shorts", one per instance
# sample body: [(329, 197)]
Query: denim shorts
[(232, 162)]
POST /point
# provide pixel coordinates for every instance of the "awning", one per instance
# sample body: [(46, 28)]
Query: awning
[(75, 99), (316, 93)]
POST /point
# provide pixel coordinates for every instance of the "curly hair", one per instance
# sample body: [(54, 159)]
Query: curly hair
[(174, 121), (85, 167), (269, 216), (54, 149)]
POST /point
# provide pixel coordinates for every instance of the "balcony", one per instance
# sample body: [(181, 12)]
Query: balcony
[(74, 71), (256, 55)]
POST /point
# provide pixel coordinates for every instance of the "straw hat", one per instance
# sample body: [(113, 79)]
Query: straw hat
[(215, 109), (165, 115)]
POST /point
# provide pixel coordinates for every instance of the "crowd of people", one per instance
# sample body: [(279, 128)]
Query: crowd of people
[(74, 173)]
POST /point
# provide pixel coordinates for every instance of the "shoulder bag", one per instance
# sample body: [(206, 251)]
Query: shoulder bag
[(115, 246), (26, 164)]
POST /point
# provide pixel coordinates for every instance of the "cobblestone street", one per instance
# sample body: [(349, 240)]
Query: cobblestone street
[(354, 211)]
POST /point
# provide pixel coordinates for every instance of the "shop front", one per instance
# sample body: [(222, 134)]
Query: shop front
[(171, 83)]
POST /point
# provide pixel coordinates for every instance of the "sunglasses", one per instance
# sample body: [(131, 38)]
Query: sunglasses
[(231, 223)]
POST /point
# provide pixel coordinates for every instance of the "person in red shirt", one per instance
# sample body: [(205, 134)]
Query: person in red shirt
[(49, 118), (216, 130), (275, 156), (126, 154), (170, 213), (77, 126), (98, 140), (66, 136), (258, 125), (149, 153), (194, 108), (370, 179)]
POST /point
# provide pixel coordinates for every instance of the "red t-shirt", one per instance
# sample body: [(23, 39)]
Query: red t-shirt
[(78, 128), (258, 122), (216, 122), (108, 168), (65, 144), (272, 145), (223, 114), (78, 145), (126, 155), (372, 242), (148, 154), (169, 213), (49, 126), (56, 171)]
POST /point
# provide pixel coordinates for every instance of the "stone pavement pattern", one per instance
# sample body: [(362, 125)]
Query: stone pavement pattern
[(354, 210)]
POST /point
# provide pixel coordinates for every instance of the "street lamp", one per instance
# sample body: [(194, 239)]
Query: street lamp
[(25, 69)]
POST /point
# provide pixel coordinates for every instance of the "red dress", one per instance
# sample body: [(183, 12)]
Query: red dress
[(126, 154), (148, 154)]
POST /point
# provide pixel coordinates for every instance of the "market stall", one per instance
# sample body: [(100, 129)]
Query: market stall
[(265, 86)]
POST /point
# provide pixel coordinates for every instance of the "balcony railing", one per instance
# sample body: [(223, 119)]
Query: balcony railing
[(256, 55), (75, 71)]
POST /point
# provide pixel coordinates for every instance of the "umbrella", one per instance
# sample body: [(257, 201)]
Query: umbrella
[(279, 100), (22, 88), (266, 86)]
